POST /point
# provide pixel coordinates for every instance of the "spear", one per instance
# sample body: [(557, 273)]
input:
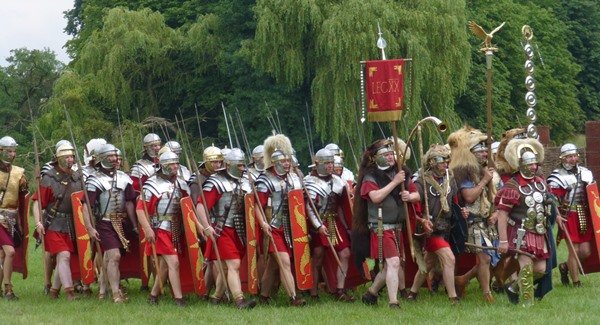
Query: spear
[(310, 148), (125, 162), (199, 129), (38, 203), (237, 141), (352, 149), (227, 125), (243, 131)]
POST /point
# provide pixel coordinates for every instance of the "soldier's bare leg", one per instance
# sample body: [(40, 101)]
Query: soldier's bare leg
[(392, 278), (317, 265), (344, 256), (49, 266), (173, 267), (483, 275), (113, 257), (8, 253), (583, 251), (447, 260), (285, 273)]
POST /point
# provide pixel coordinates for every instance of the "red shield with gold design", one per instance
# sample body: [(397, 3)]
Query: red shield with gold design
[(82, 240), (194, 253), (592, 263), (20, 259), (300, 241), (248, 269)]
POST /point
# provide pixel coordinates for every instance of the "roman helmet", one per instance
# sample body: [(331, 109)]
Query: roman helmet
[(209, 155), (104, 156), (150, 140), (7, 142), (234, 158), (62, 153), (257, 157), (322, 157), (165, 160)]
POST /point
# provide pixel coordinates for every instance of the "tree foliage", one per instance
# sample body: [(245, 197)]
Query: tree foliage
[(320, 44)]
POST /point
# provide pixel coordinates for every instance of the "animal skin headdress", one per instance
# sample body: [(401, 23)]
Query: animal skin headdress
[(517, 147), (276, 142), (464, 162), (501, 164)]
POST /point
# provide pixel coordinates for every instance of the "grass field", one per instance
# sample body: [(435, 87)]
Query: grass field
[(562, 305)]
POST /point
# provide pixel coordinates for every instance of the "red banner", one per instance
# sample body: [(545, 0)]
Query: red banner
[(84, 244), (300, 241), (196, 260), (384, 83)]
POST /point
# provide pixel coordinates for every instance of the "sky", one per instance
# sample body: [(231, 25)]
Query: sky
[(34, 24)]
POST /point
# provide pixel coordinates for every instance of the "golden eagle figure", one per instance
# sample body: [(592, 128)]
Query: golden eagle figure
[(487, 37)]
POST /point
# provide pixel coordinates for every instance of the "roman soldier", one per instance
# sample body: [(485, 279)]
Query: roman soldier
[(111, 194), (473, 177), (379, 214), (90, 156), (326, 190), (438, 191), (56, 224), (257, 165), (347, 175), (146, 166), (212, 162), (224, 193), (13, 194), (159, 213), (568, 183), (523, 207), (273, 186), (174, 146)]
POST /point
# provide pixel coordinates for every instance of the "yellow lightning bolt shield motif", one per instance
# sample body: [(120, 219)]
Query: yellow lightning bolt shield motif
[(302, 261), (191, 238), (84, 245), (251, 244)]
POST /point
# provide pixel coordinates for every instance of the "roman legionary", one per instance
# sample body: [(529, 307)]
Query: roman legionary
[(473, 177), (257, 165), (13, 195), (146, 166), (437, 190), (326, 191), (213, 161), (273, 186), (568, 183), (174, 146), (224, 193), (524, 212), (90, 156), (379, 213), (347, 175), (56, 224), (111, 194), (160, 201)]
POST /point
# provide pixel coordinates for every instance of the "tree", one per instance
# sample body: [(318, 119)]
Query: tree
[(319, 45)]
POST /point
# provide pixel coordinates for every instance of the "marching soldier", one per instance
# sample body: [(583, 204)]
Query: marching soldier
[(273, 186), (472, 175), (213, 161), (146, 166), (13, 192), (523, 211), (160, 203), (174, 146), (379, 213), (326, 190), (257, 165), (56, 225), (438, 187), (568, 183), (112, 197), (224, 193)]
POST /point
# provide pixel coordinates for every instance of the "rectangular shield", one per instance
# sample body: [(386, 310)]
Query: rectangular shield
[(82, 240), (194, 253), (251, 245), (592, 263), (300, 240), (20, 259)]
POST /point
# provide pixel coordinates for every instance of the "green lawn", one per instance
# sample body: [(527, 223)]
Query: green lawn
[(562, 305)]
